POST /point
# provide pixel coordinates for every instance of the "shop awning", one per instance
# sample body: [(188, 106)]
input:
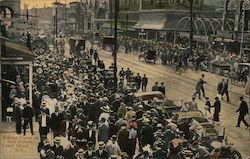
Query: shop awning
[(148, 26), (151, 22), (107, 25), (13, 51)]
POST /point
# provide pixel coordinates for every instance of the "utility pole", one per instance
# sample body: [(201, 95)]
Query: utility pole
[(65, 18), (224, 15), (116, 44), (1, 99), (126, 45), (191, 29), (242, 31), (111, 16)]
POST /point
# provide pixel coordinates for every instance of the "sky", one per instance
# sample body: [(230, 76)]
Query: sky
[(40, 3)]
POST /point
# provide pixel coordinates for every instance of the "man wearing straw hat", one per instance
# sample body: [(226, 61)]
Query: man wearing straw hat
[(57, 148), (146, 133), (112, 146), (43, 121), (18, 116), (101, 153)]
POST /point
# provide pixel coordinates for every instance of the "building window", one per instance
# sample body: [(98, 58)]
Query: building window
[(152, 2)]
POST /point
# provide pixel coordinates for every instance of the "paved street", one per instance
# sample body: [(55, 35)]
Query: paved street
[(182, 86)]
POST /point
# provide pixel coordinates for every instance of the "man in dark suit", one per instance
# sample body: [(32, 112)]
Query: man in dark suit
[(162, 88), (44, 124), (144, 83), (220, 86), (101, 153), (243, 109), (224, 89), (28, 114), (56, 119), (18, 117), (138, 81), (147, 133), (159, 153), (44, 108), (123, 139), (90, 132)]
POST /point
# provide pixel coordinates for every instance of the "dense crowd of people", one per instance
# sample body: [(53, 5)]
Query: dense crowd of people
[(81, 115)]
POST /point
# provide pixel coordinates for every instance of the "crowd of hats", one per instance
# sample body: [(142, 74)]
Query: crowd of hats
[(78, 80)]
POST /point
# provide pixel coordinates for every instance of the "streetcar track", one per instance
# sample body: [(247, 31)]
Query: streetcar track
[(191, 87)]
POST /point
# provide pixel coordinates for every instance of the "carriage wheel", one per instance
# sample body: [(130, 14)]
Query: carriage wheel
[(39, 46)]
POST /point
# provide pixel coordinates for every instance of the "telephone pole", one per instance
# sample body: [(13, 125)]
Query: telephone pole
[(191, 29), (115, 43)]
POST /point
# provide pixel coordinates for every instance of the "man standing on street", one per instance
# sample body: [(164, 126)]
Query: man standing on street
[(225, 90), (155, 87), (243, 109), (56, 120), (28, 114), (43, 121), (220, 86), (144, 83), (138, 81), (162, 88), (200, 87)]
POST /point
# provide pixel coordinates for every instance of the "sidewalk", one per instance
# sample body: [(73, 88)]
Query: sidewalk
[(15, 146)]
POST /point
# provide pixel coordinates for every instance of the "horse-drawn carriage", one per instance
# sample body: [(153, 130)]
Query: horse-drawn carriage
[(76, 45), (148, 55)]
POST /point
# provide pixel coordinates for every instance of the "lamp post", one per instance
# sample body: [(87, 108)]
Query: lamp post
[(56, 3), (242, 32), (126, 45), (111, 16), (191, 28), (115, 43)]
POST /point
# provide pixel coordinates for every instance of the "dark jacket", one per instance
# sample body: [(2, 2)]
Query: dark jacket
[(44, 109), (103, 155), (243, 109), (217, 106), (147, 133), (123, 140), (92, 137), (220, 86), (56, 121), (162, 89), (28, 112), (144, 81), (159, 154), (47, 121)]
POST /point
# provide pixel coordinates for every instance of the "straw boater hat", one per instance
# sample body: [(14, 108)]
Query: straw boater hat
[(80, 152), (101, 144), (105, 109), (145, 120), (57, 140), (90, 123), (130, 108)]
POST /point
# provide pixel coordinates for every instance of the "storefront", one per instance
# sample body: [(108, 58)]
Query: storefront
[(14, 56)]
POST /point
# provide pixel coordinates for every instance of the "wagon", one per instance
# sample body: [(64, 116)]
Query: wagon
[(148, 55), (221, 68)]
